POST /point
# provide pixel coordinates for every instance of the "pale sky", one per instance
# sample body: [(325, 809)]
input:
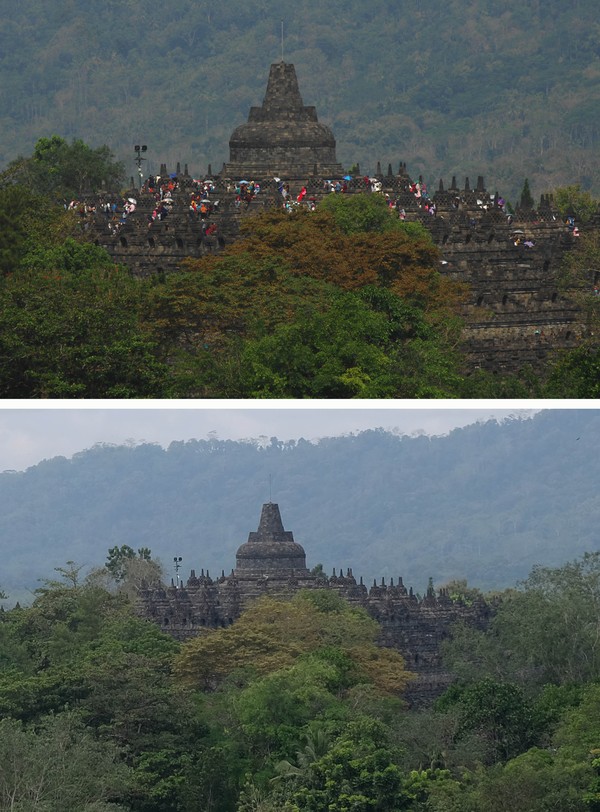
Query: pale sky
[(33, 431)]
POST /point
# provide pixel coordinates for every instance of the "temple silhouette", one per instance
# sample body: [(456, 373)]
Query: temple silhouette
[(272, 563)]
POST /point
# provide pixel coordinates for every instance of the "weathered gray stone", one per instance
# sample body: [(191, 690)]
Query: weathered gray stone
[(282, 138)]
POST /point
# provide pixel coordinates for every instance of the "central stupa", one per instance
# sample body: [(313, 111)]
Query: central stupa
[(271, 550), (283, 138)]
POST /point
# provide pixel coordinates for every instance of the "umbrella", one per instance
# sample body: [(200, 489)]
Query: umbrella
[(347, 177), (132, 200)]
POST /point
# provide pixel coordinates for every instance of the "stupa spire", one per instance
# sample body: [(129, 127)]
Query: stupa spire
[(270, 527), (283, 92)]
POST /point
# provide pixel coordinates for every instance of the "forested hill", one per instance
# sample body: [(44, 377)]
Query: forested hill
[(486, 502), (509, 90)]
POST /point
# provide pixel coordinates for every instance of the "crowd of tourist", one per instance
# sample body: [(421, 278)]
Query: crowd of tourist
[(169, 192)]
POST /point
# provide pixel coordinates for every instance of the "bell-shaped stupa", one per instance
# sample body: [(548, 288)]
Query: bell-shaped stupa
[(283, 138), (271, 550)]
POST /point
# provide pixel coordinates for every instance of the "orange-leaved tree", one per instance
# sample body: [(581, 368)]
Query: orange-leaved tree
[(273, 634)]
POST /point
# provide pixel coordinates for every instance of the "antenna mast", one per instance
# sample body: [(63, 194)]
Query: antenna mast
[(282, 40)]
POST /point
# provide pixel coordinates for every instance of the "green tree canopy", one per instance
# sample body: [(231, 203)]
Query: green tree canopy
[(560, 649), (70, 327), (60, 170), (499, 713), (119, 557), (59, 767), (368, 213), (366, 344), (573, 201)]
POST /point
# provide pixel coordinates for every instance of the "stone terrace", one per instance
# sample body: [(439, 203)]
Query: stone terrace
[(516, 313)]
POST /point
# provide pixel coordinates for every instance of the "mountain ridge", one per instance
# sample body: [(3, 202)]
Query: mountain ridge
[(452, 88), (486, 502)]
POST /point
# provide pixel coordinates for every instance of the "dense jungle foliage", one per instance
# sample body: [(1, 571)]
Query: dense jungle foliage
[(294, 708), (506, 90), (282, 313)]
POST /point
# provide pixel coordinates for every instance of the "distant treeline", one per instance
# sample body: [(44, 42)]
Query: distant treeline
[(485, 503), (506, 90)]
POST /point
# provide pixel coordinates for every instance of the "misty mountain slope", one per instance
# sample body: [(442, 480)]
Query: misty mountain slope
[(486, 502), (508, 90)]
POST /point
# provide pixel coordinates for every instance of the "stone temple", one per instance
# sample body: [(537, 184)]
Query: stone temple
[(282, 138), (271, 553), (272, 563), (517, 312)]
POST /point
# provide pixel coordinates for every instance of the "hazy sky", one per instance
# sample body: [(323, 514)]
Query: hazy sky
[(31, 433)]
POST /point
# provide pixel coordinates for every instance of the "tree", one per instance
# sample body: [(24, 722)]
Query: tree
[(211, 781), (526, 201), (359, 771), (82, 647), (368, 344), (576, 374), (572, 201), (459, 590), (546, 631), (534, 780), (15, 204), (302, 307), (285, 672), (75, 331), (367, 213), (340, 353), (61, 170), (498, 713), (251, 325), (59, 767), (120, 557), (313, 244), (270, 712), (271, 635), (33, 230)]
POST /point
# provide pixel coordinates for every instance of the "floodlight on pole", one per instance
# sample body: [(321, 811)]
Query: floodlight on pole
[(177, 562), (138, 149)]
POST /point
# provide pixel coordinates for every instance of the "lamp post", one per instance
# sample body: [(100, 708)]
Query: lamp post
[(177, 561), (138, 159)]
